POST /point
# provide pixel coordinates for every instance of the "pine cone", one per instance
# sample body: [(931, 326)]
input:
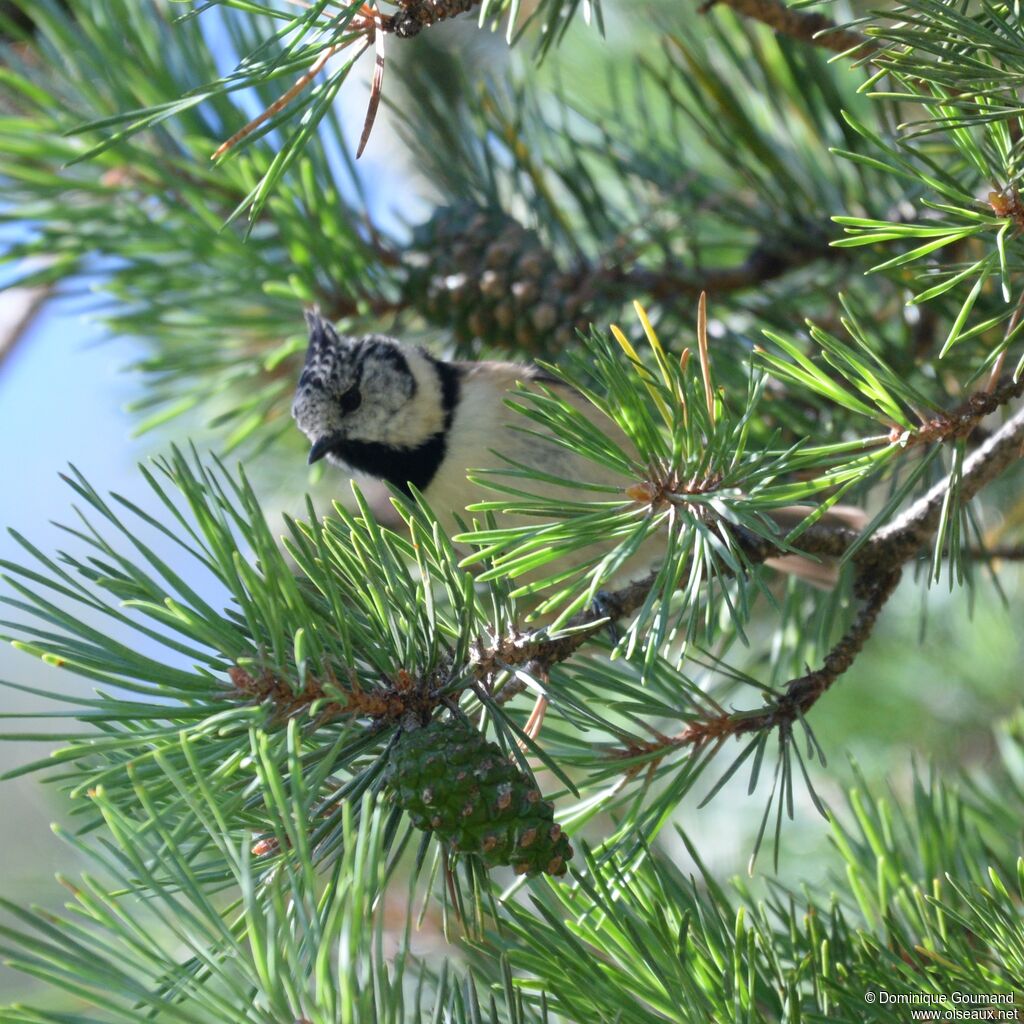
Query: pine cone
[(484, 276), (452, 781)]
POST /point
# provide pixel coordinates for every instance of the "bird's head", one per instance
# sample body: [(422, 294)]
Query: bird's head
[(364, 391)]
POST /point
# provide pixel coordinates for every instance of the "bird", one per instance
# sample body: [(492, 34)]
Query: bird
[(395, 412), (374, 405)]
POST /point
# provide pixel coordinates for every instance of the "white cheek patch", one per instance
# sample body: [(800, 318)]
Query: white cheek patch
[(401, 409), (384, 391), (369, 423), (422, 415)]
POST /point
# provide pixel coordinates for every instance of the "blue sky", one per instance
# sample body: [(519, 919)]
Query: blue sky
[(61, 401)]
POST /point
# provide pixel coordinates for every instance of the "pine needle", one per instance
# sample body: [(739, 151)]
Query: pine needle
[(279, 104), (655, 343), (376, 87), (705, 361), (627, 347)]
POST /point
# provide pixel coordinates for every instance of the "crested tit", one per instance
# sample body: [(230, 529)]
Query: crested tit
[(397, 413)]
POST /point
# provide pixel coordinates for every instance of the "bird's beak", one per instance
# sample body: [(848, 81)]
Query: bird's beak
[(321, 446)]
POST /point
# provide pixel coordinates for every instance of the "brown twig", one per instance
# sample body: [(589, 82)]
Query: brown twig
[(999, 552), (809, 28), (763, 264), (795, 700), (391, 702), (952, 426)]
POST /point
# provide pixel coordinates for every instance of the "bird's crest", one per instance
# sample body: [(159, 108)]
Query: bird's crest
[(325, 356)]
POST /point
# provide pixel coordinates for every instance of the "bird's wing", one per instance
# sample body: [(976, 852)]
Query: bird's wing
[(506, 375)]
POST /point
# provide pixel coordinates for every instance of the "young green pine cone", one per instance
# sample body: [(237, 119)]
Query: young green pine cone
[(485, 276), (452, 781)]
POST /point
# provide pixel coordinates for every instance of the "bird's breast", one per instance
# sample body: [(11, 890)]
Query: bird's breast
[(487, 434)]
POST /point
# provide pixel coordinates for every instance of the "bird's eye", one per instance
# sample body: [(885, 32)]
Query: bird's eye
[(350, 401)]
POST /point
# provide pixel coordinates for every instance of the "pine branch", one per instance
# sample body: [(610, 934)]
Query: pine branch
[(908, 533), (962, 421), (878, 563), (322, 653), (764, 263), (1000, 552), (879, 566), (886, 551), (808, 28), (541, 651)]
